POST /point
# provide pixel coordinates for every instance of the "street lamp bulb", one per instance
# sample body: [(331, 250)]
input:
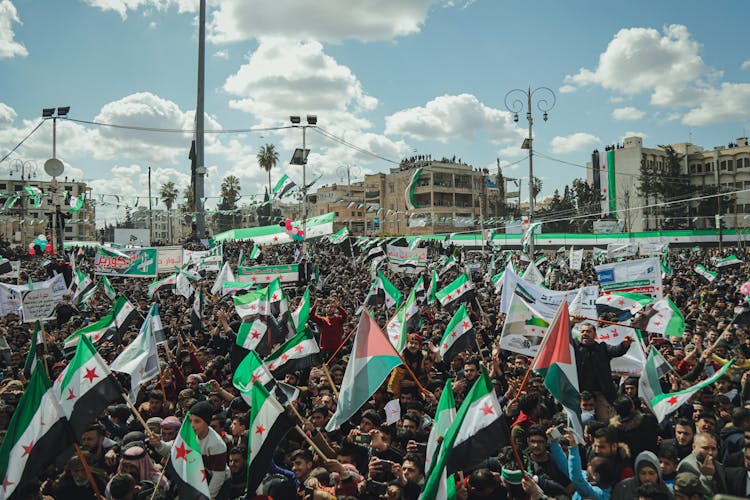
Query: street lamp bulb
[(515, 117), (545, 116), (295, 120)]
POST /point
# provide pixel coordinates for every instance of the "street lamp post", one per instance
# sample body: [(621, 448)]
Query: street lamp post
[(27, 169), (300, 158), (54, 167), (544, 99)]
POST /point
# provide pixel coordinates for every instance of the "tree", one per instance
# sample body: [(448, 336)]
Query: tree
[(267, 159), (536, 187), (168, 192), (647, 186), (673, 185), (230, 194), (587, 202)]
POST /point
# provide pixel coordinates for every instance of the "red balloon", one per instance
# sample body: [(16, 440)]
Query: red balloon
[(32, 251), (300, 233)]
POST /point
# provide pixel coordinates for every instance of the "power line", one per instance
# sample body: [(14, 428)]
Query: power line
[(348, 144), (179, 130), (22, 141)]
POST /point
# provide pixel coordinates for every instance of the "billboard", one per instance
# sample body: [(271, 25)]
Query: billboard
[(134, 237)]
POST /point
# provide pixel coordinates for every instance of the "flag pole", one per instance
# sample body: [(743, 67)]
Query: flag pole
[(411, 373), (310, 442), (136, 413), (87, 470), (158, 482), (330, 380), (343, 343)]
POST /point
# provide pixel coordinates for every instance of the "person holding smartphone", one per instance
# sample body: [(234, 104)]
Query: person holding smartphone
[(600, 475)]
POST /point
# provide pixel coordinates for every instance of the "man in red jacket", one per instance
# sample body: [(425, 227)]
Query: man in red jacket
[(331, 326)]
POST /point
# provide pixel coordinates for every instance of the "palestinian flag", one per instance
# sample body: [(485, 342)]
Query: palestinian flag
[(252, 303), (472, 436), (457, 335), (35, 435), (730, 262), (140, 359), (196, 312), (185, 468), (297, 353), (393, 296), (664, 404), (86, 387), (168, 283), (705, 274), (410, 188), (302, 313), (225, 274), (460, 289), (444, 417), (371, 361), (35, 350), (269, 422), (254, 253), (108, 288), (283, 187), (340, 236), (662, 317), (623, 304), (556, 363), (405, 318)]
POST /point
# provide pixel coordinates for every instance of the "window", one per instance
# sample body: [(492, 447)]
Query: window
[(730, 165), (68, 229), (723, 165), (3, 186), (747, 162), (390, 187)]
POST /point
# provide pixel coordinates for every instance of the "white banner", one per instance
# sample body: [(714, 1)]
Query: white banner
[(542, 300), (635, 276), (649, 248), (209, 260), (618, 250), (634, 360), (576, 259), (167, 258), (13, 273), (402, 259), (38, 304)]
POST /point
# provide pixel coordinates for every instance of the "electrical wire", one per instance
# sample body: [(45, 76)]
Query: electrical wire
[(178, 130), (22, 141)]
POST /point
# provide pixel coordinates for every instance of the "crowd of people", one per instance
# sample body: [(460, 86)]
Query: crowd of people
[(701, 450)]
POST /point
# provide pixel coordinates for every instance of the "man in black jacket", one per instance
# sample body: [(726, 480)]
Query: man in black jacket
[(593, 366)]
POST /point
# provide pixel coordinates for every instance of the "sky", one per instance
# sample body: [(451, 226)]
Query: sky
[(393, 78)]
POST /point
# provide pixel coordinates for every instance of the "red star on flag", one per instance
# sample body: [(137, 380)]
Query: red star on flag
[(6, 483), (672, 401), (203, 471), (445, 346), (27, 449), (71, 395), (284, 356), (487, 409), (275, 238), (657, 323), (466, 324), (252, 307), (395, 336), (260, 429), (272, 367), (268, 278), (454, 335), (254, 278), (182, 452), (609, 298), (449, 297), (298, 348), (274, 297), (255, 334), (621, 302)]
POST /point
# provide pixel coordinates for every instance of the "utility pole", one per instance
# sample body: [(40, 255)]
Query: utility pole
[(200, 169), (150, 212)]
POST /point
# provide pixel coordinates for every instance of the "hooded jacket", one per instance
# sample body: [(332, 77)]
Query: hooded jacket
[(626, 490)]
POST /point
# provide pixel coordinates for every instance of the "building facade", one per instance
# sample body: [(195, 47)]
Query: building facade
[(22, 222)]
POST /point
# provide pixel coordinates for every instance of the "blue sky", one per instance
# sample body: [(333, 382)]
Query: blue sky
[(392, 77)]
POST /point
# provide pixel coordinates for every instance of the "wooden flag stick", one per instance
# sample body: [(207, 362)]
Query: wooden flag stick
[(136, 413), (310, 442), (158, 482), (343, 343), (87, 470), (330, 380)]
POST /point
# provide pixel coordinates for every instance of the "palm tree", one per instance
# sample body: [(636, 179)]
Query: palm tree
[(230, 191), (267, 159), (168, 192)]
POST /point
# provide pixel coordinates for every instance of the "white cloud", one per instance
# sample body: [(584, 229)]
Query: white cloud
[(7, 114), (574, 142), (329, 21), (642, 135), (567, 89), (673, 116), (745, 64), (283, 77), (9, 48), (616, 99), (628, 113), (221, 54), (512, 151), (728, 103), (122, 7), (449, 116), (639, 60)]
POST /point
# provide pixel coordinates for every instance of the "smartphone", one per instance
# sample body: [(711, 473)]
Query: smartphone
[(205, 387), (555, 433), (363, 439)]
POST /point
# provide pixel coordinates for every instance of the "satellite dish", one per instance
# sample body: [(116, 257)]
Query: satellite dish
[(53, 167)]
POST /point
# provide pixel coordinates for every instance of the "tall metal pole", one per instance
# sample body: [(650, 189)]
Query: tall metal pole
[(53, 186), (349, 192), (532, 197), (200, 169), (150, 212), (304, 192)]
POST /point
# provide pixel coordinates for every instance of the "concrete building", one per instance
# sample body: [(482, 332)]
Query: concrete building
[(167, 226), (725, 166), (21, 223)]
